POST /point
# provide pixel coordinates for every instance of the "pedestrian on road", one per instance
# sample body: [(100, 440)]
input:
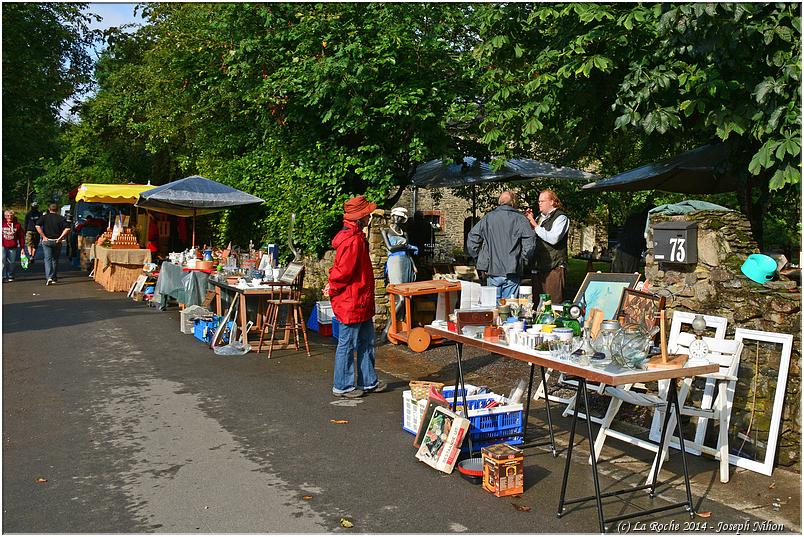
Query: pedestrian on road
[(502, 242), (13, 241), (31, 235), (551, 246), (351, 290), (53, 228)]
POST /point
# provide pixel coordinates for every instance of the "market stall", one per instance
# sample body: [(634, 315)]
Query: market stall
[(116, 269), (97, 208)]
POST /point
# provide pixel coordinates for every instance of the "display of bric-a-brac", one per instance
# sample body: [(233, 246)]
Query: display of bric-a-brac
[(604, 291)]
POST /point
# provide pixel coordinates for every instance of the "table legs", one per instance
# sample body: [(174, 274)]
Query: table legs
[(461, 387), (547, 406), (673, 404)]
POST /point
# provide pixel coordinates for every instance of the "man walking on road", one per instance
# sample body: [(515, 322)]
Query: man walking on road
[(53, 228), (31, 235), (351, 290), (503, 243)]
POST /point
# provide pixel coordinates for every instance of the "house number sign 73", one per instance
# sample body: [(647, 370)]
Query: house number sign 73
[(678, 254)]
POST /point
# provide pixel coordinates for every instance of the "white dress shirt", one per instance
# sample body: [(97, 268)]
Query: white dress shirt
[(556, 233)]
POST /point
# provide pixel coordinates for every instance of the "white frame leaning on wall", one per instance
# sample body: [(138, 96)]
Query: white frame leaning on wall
[(786, 341)]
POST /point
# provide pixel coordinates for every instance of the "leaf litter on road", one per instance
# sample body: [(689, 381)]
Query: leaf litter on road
[(339, 422), (346, 523)]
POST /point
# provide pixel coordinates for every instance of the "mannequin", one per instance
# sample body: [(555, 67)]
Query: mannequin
[(400, 266)]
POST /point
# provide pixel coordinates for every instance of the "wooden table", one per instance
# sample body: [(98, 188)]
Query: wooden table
[(117, 268), (611, 375), (418, 339), (268, 291)]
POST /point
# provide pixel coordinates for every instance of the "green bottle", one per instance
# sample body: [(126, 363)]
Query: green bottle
[(546, 316), (567, 320)]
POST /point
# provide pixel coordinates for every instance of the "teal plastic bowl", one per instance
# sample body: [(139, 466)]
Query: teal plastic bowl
[(759, 268)]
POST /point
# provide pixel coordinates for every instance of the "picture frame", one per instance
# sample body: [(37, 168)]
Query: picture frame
[(636, 306), (292, 270), (765, 466), (429, 408), (603, 290), (137, 285)]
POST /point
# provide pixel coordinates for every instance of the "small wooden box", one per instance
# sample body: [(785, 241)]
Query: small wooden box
[(503, 473), (474, 318)]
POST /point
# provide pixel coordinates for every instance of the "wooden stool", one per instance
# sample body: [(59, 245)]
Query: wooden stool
[(296, 324)]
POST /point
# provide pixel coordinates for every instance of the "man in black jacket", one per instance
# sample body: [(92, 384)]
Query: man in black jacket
[(502, 242), (53, 229), (551, 246)]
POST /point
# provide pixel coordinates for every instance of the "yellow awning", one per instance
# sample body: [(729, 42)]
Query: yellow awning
[(98, 193)]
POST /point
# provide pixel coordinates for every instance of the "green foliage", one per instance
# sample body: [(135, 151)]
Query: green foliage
[(45, 61)]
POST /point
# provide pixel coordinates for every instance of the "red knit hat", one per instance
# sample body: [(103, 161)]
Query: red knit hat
[(356, 208)]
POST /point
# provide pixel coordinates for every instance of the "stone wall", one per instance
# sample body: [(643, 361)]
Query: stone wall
[(716, 286), (453, 211)]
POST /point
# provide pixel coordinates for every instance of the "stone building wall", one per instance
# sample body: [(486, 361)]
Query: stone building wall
[(716, 286), (453, 211)]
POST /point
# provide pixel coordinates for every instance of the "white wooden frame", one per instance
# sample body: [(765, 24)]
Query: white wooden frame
[(786, 341)]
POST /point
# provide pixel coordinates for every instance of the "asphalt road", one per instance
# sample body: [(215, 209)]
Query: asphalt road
[(115, 422)]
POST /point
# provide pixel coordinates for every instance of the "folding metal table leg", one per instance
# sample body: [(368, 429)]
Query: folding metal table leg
[(461, 386), (547, 406), (567, 464), (598, 500), (527, 404), (674, 402)]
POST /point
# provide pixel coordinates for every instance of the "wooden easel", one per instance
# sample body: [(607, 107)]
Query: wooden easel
[(664, 360)]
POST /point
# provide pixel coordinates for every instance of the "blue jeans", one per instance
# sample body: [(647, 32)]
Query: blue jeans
[(51, 250), (355, 338), (507, 286), (10, 257)]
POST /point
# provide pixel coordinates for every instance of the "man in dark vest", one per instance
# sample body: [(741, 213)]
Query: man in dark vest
[(502, 242), (550, 265)]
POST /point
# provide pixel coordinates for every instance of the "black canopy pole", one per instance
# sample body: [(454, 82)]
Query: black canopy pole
[(193, 245), (474, 204)]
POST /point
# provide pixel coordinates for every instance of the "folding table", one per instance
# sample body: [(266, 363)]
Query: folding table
[(611, 375)]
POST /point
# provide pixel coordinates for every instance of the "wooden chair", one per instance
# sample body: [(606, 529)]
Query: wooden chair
[(290, 298)]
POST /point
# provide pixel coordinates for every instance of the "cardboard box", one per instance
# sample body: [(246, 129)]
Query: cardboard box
[(503, 472), (442, 440)]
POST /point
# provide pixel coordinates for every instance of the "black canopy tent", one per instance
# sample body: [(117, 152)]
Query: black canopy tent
[(192, 196), (438, 173), (704, 170)]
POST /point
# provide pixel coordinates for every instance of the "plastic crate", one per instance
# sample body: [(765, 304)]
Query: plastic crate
[(204, 329), (488, 426), (324, 311), (325, 329), (412, 411)]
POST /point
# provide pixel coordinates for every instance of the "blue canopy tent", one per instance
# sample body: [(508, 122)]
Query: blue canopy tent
[(192, 196)]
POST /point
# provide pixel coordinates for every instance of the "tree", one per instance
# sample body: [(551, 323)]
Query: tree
[(45, 61), (618, 85)]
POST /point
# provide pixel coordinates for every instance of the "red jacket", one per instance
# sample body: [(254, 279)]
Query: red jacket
[(13, 236), (351, 278)]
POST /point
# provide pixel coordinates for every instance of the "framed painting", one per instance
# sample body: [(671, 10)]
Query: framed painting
[(603, 290), (639, 307)]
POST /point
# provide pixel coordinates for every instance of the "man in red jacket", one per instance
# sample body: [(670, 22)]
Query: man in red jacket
[(351, 290)]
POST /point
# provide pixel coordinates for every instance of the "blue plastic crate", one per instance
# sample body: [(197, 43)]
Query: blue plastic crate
[(204, 329)]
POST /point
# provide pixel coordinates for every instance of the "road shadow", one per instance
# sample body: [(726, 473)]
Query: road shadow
[(54, 313)]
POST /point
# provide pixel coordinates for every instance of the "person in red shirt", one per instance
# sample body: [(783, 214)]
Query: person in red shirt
[(13, 241), (351, 291)]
